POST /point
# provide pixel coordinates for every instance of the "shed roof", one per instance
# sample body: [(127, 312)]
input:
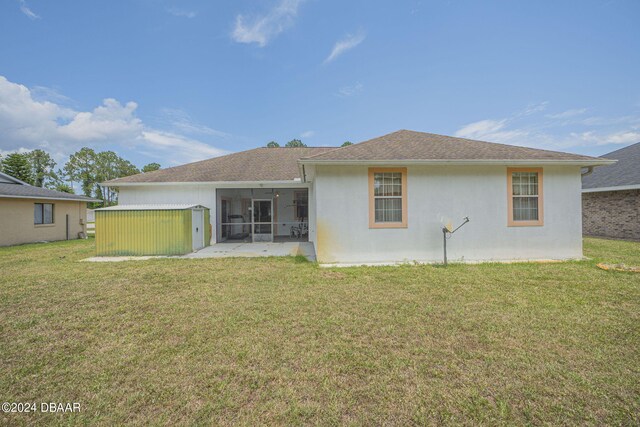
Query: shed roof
[(407, 145), (153, 207), (626, 172)]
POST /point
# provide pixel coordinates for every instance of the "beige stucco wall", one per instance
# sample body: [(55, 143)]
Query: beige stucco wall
[(16, 221)]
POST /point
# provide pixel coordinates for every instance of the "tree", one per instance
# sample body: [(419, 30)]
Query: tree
[(41, 167), (346, 144), (151, 167), (81, 168), (295, 143), (273, 144), (0, 162), (109, 166), (65, 188), (17, 165)]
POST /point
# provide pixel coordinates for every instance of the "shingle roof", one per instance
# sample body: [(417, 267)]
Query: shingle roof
[(625, 172), (410, 145), (29, 191), (259, 164)]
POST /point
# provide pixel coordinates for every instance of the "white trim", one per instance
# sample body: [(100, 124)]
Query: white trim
[(506, 162), (617, 188), (48, 198)]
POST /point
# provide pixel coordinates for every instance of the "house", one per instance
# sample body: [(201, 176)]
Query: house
[(611, 197), (387, 199), (33, 214)]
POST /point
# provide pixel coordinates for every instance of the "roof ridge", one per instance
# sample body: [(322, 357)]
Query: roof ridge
[(357, 143), (500, 143)]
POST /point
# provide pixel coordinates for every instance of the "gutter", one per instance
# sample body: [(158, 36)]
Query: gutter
[(474, 162)]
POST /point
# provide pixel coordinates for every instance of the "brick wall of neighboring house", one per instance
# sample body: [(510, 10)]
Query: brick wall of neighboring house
[(611, 214)]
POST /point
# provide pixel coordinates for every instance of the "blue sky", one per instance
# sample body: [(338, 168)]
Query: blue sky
[(177, 81)]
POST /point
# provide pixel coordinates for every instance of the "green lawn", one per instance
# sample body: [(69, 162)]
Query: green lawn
[(281, 341)]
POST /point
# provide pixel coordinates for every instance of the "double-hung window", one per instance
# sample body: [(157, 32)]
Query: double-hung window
[(42, 213), (525, 197), (388, 198)]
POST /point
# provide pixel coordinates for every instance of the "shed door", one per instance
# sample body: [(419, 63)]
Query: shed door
[(197, 223)]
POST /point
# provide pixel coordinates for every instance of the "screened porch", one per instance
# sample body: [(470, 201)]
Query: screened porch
[(251, 215)]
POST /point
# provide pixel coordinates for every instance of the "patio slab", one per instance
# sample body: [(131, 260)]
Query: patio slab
[(249, 250)]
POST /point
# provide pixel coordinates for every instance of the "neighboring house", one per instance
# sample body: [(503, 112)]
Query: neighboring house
[(387, 199), (611, 197), (34, 214)]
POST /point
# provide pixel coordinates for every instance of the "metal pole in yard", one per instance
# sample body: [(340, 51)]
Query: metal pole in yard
[(444, 241)]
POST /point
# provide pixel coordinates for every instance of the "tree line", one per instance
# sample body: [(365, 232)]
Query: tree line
[(298, 143), (86, 167)]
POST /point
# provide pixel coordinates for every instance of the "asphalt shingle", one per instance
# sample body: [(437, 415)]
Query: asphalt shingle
[(625, 172)]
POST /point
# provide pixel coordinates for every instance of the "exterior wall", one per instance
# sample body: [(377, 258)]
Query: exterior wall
[(613, 214), (204, 195), (17, 221), (437, 195)]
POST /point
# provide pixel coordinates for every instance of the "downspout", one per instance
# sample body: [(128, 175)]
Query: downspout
[(589, 171), (304, 174)]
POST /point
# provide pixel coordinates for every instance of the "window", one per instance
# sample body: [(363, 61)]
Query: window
[(301, 204), (43, 213), (387, 198), (525, 196)]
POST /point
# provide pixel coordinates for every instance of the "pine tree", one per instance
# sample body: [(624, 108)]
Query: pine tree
[(17, 165)]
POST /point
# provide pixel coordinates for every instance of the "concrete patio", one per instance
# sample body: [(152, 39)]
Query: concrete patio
[(248, 250)]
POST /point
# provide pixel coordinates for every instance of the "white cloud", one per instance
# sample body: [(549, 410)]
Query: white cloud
[(25, 9), (182, 13), (534, 108), (347, 91), (619, 138), (307, 134), (190, 150), (568, 113), (181, 121), (261, 29), (347, 43), (525, 128), (26, 124)]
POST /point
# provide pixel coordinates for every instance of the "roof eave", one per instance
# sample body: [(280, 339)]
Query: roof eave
[(613, 188), (296, 181), (11, 178), (478, 162)]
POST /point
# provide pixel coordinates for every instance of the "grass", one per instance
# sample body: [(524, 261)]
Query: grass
[(280, 341)]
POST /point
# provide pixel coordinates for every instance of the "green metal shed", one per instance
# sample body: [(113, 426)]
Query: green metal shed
[(151, 229)]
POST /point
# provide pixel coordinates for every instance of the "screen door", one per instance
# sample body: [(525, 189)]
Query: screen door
[(262, 220)]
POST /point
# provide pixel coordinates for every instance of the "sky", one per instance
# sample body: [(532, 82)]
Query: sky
[(172, 81)]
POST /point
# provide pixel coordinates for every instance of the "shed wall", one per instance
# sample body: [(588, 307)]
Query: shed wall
[(160, 232)]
